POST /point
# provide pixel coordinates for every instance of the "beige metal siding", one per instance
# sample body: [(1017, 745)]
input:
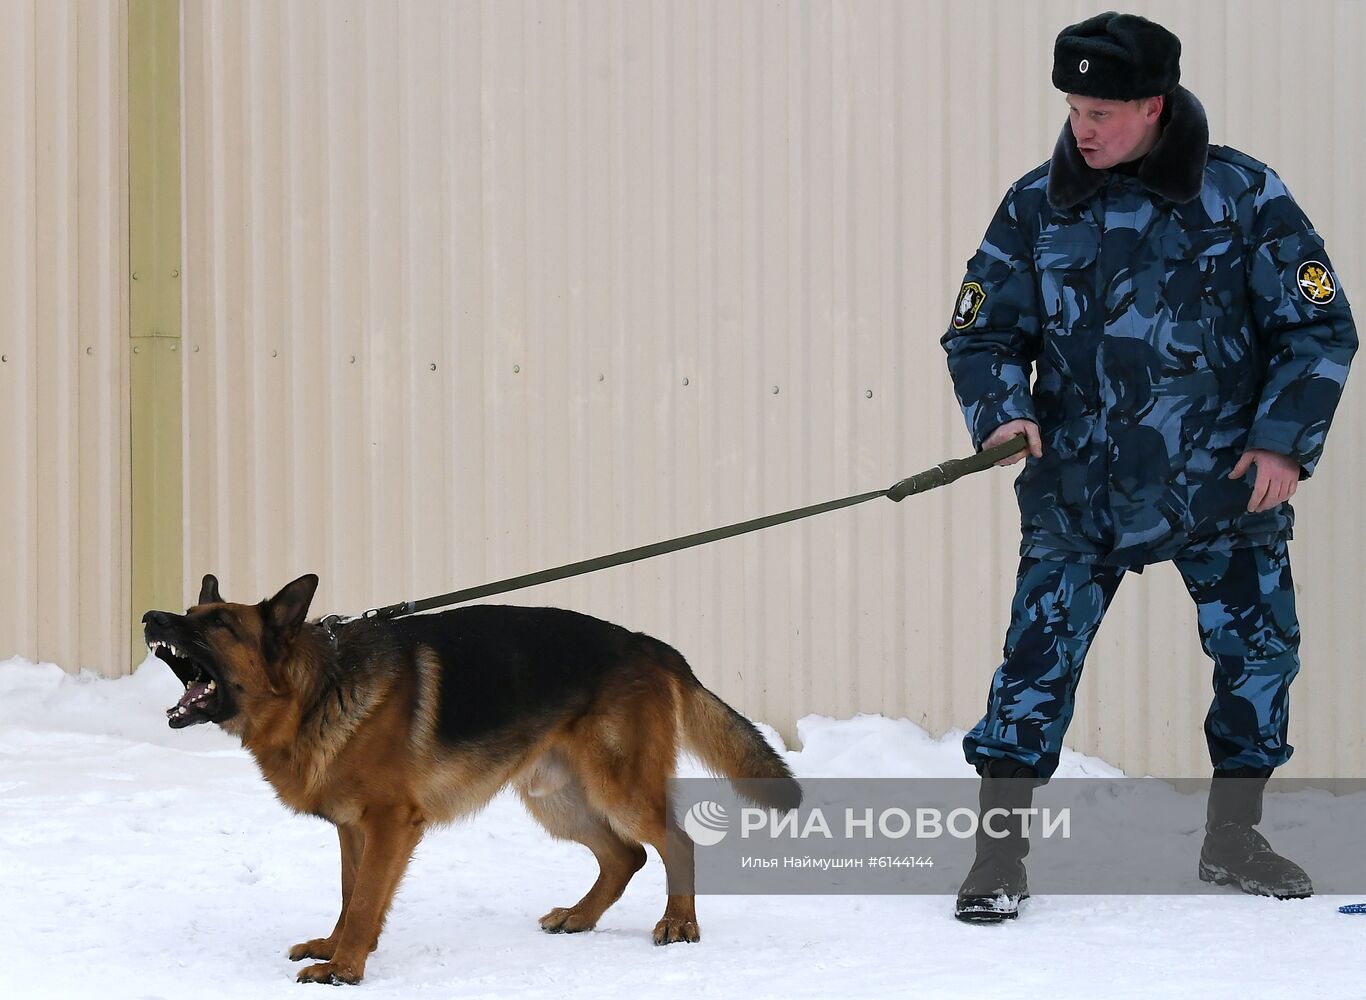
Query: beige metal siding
[(63, 373), (475, 288)]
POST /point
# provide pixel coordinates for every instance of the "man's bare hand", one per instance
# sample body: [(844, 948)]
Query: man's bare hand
[(1277, 478), (1007, 431)]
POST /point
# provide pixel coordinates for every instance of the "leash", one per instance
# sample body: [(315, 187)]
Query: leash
[(940, 475)]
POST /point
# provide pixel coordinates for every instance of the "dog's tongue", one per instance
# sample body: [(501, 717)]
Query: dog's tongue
[(196, 692)]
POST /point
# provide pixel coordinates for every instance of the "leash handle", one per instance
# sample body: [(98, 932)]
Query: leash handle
[(956, 468)]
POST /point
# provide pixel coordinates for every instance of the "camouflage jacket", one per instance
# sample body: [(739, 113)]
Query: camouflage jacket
[(1171, 319)]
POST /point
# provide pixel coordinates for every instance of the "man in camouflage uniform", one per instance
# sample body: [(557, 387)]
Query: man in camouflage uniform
[(1188, 344)]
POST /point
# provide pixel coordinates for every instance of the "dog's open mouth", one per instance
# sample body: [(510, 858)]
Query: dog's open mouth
[(201, 698)]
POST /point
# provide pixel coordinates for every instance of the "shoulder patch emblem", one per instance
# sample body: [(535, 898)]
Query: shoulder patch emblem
[(970, 299), (1315, 282)]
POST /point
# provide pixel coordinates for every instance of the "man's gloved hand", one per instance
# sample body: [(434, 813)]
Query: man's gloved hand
[(1007, 431), (1277, 478)]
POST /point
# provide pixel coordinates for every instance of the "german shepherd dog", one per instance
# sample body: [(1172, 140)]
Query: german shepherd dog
[(385, 728)]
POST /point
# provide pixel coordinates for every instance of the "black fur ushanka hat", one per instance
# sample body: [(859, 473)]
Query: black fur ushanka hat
[(1118, 57)]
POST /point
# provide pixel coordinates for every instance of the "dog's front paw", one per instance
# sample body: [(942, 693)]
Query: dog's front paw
[(331, 973), (319, 948), (672, 929), (566, 920)]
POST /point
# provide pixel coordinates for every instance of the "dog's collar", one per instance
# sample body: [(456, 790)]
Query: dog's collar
[(332, 623)]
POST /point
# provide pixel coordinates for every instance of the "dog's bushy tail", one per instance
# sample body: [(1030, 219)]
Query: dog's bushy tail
[(729, 744)]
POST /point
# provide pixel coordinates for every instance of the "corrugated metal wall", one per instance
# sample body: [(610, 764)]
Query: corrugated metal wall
[(476, 288), (63, 333), (473, 289)]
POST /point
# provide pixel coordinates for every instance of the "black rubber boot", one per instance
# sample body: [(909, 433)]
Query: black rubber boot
[(1236, 854), (996, 884)]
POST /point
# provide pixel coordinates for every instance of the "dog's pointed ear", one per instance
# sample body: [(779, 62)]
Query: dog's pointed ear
[(284, 616), (286, 611), (208, 590)]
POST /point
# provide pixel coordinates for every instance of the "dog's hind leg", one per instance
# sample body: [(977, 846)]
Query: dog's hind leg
[(642, 813), (352, 843), (626, 775), (567, 815), (679, 922)]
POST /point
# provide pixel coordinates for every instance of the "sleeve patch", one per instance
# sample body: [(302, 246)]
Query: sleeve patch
[(970, 299), (1314, 281)]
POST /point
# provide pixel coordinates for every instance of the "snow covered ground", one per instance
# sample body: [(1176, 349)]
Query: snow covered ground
[(137, 862)]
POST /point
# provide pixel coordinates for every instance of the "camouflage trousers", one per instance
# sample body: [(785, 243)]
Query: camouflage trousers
[(1245, 602)]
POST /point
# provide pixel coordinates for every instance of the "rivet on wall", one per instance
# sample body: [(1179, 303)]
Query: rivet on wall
[(775, 390), (432, 366)]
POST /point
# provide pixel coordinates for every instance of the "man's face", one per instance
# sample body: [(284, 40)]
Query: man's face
[(1113, 132)]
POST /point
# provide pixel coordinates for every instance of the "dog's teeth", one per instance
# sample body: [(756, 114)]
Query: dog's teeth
[(213, 685)]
